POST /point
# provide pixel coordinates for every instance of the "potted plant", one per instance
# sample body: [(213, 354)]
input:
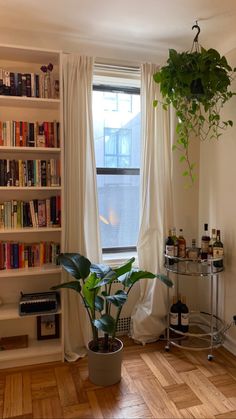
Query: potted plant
[(94, 284), (197, 84)]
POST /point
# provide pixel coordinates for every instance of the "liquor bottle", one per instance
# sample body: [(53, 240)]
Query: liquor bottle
[(169, 251), (213, 239), (175, 240), (218, 251), (193, 251), (184, 316), (181, 244), (174, 315), (205, 243)]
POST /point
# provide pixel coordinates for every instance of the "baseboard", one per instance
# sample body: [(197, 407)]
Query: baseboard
[(230, 344)]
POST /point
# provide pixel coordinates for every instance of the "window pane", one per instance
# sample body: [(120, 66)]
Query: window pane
[(116, 123), (118, 197), (116, 133)]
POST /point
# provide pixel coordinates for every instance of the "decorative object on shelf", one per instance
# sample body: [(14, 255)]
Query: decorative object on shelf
[(13, 342), (47, 83), (197, 84), (94, 285), (56, 89), (48, 327), (39, 302)]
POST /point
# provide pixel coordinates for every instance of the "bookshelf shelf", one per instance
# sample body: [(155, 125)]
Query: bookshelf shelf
[(30, 188), (30, 121), (45, 150), (30, 230), (29, 102), (36, 353), (43, 270), (11, 312)]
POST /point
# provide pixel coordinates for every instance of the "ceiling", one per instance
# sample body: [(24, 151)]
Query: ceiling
[(144, 26)]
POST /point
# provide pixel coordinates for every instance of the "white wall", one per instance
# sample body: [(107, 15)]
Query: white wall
[(185, 199), (217, 202)]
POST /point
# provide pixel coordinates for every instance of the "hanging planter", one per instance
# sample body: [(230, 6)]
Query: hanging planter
[(197, 84)]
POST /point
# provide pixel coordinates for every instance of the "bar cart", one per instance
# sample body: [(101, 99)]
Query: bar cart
[(206, 329)]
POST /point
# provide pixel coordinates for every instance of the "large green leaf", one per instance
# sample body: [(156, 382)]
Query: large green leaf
[(100, 269), (107, 279), (126, 267), (105, 323), (75, 264), (135, 276), (74, 285), (99, 303), (167, 281), (89, 292), (118, 299)]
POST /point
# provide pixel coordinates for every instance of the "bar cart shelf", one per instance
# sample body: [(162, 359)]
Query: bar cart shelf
[(206, 329)]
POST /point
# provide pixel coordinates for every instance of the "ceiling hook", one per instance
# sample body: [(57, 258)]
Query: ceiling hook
[(196, 26)]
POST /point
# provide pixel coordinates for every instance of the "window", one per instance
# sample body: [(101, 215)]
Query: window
[(116, 121), (117, 147)]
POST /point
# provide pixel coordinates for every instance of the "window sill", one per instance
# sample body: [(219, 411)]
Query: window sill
[(113, 259)]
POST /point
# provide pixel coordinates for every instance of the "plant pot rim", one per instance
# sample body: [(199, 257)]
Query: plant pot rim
[(106, 353)]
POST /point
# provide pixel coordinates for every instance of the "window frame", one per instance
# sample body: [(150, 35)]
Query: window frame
[(117, 171)]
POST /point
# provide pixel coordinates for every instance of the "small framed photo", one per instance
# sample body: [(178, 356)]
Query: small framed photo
[(48, 326)]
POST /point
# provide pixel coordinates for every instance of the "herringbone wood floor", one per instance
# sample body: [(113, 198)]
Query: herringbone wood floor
[(154, 384)]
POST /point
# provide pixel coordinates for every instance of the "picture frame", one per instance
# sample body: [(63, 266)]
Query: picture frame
[(48, 326)]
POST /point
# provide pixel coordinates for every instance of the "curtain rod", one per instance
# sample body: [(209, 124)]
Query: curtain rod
[(117, 68)]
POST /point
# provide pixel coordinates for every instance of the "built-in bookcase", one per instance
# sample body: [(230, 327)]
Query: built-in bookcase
[(40, 275)]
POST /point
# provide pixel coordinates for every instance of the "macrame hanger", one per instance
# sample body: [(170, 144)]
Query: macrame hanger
[(195, 41)]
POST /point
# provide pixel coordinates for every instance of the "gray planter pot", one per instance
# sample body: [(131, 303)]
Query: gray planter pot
[(105, 368)]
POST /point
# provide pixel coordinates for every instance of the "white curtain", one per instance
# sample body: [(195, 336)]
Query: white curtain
[(149, 315), (81, 228)]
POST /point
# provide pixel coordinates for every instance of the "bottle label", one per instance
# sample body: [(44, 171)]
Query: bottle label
[(173, 319), (193, 254), (170, 250), (182, 250), (184, 319), (205, 246), (175, 250), (218, 252)]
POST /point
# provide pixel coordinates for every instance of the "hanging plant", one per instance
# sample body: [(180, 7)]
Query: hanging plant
[(197, 84)]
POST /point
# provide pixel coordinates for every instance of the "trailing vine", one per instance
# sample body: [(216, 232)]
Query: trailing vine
[(197, 84)]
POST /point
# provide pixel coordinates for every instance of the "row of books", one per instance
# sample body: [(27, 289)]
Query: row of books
[(29, 172), (27, 84), (29, 134), (15, 255), (34, 213)]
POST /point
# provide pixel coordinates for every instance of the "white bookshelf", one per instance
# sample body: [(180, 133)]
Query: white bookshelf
[(27, 272), (11, 311), (35, 279), (30, 230), (26, 102), (46, 150), (37, 352)]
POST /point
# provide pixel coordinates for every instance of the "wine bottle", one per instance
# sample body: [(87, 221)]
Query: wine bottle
[(193, 251), (205, 243), (184, 316), (218, 251), (174, 315), (175, 240), (169, 251), (181, 244), (213, 239)]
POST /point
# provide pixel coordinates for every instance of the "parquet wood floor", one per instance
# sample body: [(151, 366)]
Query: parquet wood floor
[(155, 384)]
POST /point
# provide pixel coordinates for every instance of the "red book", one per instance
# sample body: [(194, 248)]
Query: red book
[(46, 134), (17, 134), (1, 139), (2, 256)]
